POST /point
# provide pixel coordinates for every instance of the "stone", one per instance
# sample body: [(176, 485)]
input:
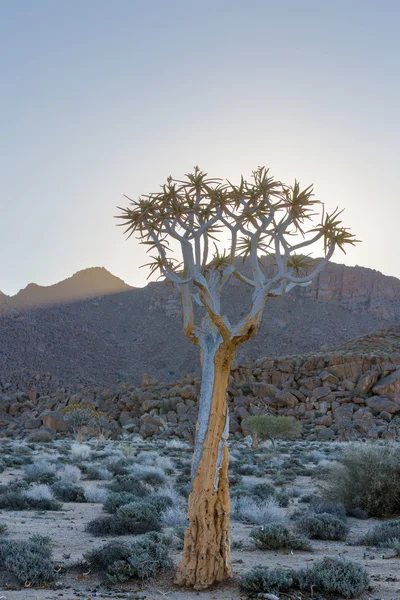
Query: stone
[(188, 392), (379, 404), (321, 392), (263, 390), (286, 399), (325, 420), (367, 381), (54, 420), (385, 416), (148, 380), (326, 433), (389, 386)]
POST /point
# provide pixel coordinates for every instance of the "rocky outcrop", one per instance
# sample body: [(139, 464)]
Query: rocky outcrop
[(333, 396)]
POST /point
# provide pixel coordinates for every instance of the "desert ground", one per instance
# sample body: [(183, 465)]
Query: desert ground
[(64, 469)]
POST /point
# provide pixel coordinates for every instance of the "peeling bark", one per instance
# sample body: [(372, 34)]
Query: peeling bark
[(206, 555)]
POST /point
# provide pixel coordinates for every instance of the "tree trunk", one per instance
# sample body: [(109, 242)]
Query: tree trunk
[(206, 553), (79, 434)]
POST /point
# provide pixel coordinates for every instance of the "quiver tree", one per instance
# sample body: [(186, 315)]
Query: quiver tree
[(181, 224)]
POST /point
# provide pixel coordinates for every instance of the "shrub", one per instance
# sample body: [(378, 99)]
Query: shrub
[(116, 499), (2, 466), (175, 516), (249, 511), (13, 500), (142, 558), (40, 497), (68, 492), (96, 495), (367, 478), (40, 472), (270, 427), (29, 561), (81, 451), (383, 533), (263, 491), (161, 503), (277, 536), (69, 474), (334, 575), (40, 437), (134, 518), (319, 505), (323, 527), (96, 472), (265, 580), (3, 528), (79, 416), (331, 575), (127, 483)]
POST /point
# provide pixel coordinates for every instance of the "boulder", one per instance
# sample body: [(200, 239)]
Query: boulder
[(389, 386), (263, 390), (148, 380), (54, 420), (378, 404)]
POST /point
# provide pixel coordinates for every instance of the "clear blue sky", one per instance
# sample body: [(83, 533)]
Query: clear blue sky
[(100, 98)]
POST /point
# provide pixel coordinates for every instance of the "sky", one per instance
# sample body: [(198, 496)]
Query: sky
[(104, 98)]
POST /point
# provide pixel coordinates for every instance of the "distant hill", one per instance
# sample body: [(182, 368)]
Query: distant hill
[(94, 330), (88, 283)]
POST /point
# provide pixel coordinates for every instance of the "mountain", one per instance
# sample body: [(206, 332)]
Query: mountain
[(88, 283), (94, 330)]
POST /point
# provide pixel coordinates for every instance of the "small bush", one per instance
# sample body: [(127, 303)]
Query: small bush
[(127, 483), (68, 492), (29, 561), (81, 451), (323, 527), (142, 558), (116, 499), (96, 495), (40, 437), (331, 575), (3, 528), (134, 518), (270, 427), (263, 491), (277, 536), (383, 533), (264, 580), (368, 478), (69, 474), (40, 472), (334, 575), (249, 511), (319, 505), (175, 516)]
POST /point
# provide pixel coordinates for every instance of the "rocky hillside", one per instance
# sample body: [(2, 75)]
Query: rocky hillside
[(333, 396), (88, 283), (93, 330)]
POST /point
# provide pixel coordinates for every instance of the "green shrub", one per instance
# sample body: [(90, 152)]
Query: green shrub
[(142, 558), (334, 575), (368, 477), (331, 575), (116, 499), (134, 518), (3, 528), (68, 492), (128, 483), (323, 527), (29, 561), (319, 505), (383, 533), (276, 536), (270, 427), (265, 580)]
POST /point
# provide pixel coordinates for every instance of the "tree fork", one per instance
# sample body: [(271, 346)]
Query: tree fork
[(206, 554)]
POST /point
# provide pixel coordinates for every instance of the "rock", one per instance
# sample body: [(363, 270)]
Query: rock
[(326, 433), (148, 380), (54, 420), (367, 381), (263, 390), (148, 430), (389, 386), (321, 392), (379, 404), (286, 399), (385, 416), (188, 392)]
